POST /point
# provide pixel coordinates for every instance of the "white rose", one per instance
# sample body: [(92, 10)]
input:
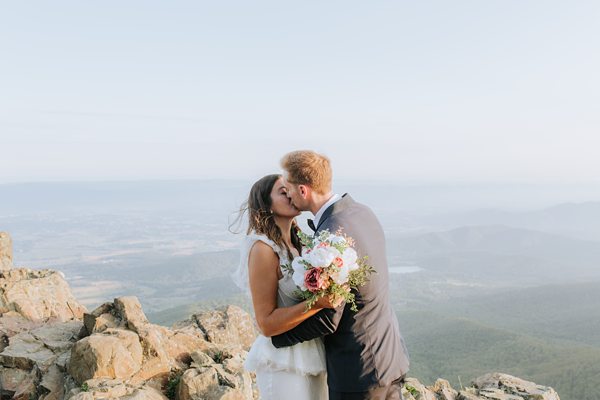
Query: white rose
[(322, 256), (298, 278), (350, 258), (340, 276), (299, 271), (354, 266)]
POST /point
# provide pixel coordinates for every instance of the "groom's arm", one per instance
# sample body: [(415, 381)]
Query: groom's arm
[(322, 323)]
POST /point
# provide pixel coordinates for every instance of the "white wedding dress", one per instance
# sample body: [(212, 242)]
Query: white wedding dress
[(296, 372)]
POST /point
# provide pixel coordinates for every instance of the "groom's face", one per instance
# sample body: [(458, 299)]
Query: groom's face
[(295, 193)]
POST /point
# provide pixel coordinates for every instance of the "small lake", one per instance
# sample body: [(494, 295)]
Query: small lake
[(405, 269)]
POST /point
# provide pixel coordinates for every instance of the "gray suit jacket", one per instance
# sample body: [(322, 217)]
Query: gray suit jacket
[(364, 348)]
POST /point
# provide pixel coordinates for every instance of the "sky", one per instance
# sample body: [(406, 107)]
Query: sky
[(411, 91)]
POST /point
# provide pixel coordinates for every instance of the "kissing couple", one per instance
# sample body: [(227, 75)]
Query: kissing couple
[(325, 348)]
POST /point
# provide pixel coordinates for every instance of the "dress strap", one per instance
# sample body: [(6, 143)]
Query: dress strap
[(240, 276)]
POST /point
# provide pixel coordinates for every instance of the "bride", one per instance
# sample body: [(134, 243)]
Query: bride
[(297, 372)]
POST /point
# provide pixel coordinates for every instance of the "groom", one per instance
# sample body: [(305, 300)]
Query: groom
[(366, 355)]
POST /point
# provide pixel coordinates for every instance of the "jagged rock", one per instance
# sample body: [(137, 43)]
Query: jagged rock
[(38, 295), (24, 351), (52, 386), (195, 382), (130, 311), (182, 343), (201, 359), (99, 320), (6, 252), (115, 389), (40, 347), (124, 312), (17, 383), (415, 390), (208, 384), (226, 326), (155, 350), (34, 354), (163, 349), (12, 323), (468, 394), (207, 379), (494, 383), (114, 353), (443, 390)]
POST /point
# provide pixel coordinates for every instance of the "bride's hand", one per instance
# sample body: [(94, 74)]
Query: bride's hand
[(329, 302)]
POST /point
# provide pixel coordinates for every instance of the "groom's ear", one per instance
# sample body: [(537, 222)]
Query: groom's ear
[(304, 191)]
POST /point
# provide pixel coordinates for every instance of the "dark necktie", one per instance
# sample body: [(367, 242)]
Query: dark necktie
[(311, 225)]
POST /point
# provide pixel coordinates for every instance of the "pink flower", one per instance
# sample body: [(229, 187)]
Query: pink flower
[(315, 280), (338, 262)]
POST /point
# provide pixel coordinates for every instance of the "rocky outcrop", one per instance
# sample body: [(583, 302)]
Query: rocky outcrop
[(34, 361), (495, 386), (115, 352), (51, 348), (6, 252), (121, 350), (38, 295)]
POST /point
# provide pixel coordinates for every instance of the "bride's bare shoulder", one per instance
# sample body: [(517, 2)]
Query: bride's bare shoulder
[(262, 253)]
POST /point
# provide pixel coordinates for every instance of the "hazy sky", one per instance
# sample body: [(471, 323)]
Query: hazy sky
[(433, 91)]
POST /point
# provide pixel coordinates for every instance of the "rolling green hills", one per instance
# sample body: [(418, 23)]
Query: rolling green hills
[(460, 349)]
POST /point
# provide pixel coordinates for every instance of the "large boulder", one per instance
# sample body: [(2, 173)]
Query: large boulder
[(228, 325), (38, 295), (114, 354), (6, 252), (163, 349)]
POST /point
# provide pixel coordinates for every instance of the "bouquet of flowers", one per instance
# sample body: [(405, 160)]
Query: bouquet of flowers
[(327, 266)]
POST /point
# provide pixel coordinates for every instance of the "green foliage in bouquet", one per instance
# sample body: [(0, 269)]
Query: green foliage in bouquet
[(356, 278)]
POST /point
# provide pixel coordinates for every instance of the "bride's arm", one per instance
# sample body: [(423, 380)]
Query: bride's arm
[(263, 266)]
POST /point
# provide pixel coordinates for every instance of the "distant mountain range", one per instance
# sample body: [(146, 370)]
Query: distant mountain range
[(500, 253), (577, 220)]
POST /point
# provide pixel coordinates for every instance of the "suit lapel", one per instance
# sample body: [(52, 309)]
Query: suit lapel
[(336, 207)]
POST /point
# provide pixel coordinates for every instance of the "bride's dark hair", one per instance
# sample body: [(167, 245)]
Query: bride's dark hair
[(260, 217)]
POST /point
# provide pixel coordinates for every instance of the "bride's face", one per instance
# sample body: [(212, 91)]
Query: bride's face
[(280, 203)]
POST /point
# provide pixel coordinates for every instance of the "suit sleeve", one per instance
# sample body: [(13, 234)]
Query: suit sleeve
[(322, 323)]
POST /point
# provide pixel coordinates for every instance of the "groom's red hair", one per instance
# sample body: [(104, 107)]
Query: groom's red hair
[(305, 167)]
